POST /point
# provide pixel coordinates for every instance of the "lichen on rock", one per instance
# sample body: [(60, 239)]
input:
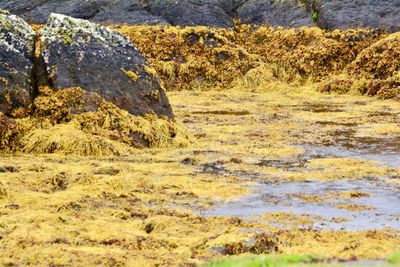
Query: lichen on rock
[(78, 31), (17, 41), (79, 53)]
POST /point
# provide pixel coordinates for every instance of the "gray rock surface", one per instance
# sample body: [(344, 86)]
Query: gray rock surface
[(37, 11), (274, 13), (190, 12), (127, 12), (78, 53), (17, 41), (183, 12), (383, 15)]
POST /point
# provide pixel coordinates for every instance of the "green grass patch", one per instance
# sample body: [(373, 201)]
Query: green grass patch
[(266, 261), (395, 258)]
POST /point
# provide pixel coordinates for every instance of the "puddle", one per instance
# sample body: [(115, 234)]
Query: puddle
[(275, 198), (387, 153), (383, 198)]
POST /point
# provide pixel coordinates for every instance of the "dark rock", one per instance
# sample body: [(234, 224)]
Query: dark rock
[(4, 169), (230, 6), (133, 12), (344, 14), (190, 13), (128, 12), (37, 11), (108, 11), (17, 41), (269, 12), (329, 14), (82, 54), (20, 7)]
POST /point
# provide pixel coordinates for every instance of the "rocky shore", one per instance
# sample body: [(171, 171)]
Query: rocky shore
[(327, 14)]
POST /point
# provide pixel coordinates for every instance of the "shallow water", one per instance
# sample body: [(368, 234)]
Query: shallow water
[(384, 198), (274, 198), (383, 151)]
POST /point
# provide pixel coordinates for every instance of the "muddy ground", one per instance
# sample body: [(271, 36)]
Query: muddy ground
[(291, 171)]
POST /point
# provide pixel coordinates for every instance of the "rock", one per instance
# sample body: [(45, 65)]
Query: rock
[(381, 60), (330, 14), (108, 11), (269, 12), (37, 11), (17, 41), (230, 6), (183, 13), (78, 53), (260, 243), (344, 14), (190, 13), (128, 12)]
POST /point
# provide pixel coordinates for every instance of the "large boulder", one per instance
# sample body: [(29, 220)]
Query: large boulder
[(107, 11), (274, 13), (78, 53), (37, 11), (17, 41), (133, 12), (344, 14)]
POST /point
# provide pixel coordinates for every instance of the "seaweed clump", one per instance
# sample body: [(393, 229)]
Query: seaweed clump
[(73, 121), (200, 57), (375, 71), (306, 52), (191, 57), (361, 61), (8, 131)]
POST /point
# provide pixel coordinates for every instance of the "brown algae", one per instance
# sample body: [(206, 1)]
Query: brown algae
[(146, 206), (103, 197)]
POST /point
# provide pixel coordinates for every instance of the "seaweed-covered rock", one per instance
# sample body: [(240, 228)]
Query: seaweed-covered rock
[(381, 60), (274, 13), (82, 54), (17, 41), (344, 14), (62, 124), (375, 71), (7, 127)]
